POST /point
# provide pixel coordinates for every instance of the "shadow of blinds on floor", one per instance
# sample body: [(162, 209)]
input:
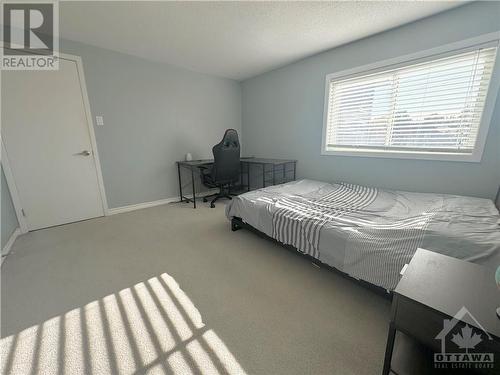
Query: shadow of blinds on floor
[(151, 327)]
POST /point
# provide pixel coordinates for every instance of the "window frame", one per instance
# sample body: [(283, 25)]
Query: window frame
[(426, 55)]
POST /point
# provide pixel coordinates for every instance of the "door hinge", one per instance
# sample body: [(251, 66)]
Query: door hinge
[(22, 211)]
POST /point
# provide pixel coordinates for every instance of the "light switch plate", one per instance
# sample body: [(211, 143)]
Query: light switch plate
[(99, 120)]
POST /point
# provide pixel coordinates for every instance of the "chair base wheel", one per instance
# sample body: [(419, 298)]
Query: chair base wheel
[(212, 205), (204, 199)]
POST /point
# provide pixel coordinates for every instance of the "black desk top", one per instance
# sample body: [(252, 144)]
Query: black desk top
[(251, 160), (447, 284)]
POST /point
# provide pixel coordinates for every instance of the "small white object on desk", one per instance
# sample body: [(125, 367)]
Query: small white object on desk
[(189, 157)]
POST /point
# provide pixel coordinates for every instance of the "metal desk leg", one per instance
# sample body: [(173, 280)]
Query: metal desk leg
[(192, 182), (294, 170), (389, 349), (180, 180), (274, 174), (284, 179), (248, 176)]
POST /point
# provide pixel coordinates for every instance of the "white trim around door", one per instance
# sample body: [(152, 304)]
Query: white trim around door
[(10, 242), (90, 125), (14, 195)]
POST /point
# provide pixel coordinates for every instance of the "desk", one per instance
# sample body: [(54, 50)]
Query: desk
[(276, 165)]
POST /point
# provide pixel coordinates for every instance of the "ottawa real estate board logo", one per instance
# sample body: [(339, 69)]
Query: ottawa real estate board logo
[(30, 35), (463, 346)]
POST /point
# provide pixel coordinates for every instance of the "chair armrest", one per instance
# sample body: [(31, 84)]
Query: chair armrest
[(205, 172)]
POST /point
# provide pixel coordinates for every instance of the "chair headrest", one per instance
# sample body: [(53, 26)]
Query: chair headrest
[(230, 139)]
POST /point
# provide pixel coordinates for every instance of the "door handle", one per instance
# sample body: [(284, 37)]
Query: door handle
[(84, 153)]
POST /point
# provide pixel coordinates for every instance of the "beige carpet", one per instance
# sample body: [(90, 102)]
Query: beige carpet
[(171, 290)]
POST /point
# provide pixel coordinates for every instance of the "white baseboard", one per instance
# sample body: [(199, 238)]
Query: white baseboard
[(140, 206), (10, 242)]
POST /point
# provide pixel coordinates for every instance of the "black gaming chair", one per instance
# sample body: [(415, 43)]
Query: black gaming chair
[(225, 170)]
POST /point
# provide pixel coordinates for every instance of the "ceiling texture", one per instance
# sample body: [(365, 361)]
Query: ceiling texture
[(235, 40)]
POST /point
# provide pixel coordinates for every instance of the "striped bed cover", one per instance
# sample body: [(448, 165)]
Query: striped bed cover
[(371, 233), (298, 221)]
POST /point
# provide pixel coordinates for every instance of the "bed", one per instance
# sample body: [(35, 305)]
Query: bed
[(369, 233)]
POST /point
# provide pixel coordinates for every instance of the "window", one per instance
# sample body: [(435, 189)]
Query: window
[(426, 108)]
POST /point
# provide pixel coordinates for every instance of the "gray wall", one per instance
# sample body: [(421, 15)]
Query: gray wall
[(153, 114), (283, 111), (8, 217)]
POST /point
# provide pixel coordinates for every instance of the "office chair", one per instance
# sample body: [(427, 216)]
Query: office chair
[(226, 167)]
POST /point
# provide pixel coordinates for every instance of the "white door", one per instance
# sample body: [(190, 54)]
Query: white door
[(47, 140)]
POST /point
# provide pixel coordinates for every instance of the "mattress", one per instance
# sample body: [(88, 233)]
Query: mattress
[(371, 233)]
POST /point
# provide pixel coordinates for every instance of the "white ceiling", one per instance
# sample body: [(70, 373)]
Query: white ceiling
[(233, 39)]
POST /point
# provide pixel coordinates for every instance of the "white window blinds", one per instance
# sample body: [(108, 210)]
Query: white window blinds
[(432, 106)]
